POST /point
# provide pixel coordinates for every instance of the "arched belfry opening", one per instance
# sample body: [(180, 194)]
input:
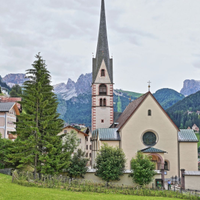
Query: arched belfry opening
[(102, 89)]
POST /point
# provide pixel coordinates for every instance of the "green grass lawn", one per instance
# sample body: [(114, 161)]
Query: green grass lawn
[(10, 191)]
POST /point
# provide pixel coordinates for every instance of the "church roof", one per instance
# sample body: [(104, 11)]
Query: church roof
[(187, 135), (152, 150), (117, 115), (102, 52), (106, 134), (133, 106), (130, 109)]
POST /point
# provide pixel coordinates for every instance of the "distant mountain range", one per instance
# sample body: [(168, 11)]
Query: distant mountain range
[(13, 79), (75, 97), (190, 87)]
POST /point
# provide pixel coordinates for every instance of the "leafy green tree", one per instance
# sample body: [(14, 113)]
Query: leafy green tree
[(70, 142), (143, 169), (16, 91), (0, 90), (77, 167), (5, 145), (110, 163), (37, 144)]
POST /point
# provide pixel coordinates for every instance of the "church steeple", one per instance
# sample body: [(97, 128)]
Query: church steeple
[(102, 75), (102, 52)]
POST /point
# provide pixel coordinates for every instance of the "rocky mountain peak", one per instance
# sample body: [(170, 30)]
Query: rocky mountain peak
[(190, 87), (13, 79), (83, 84), (70, 84)]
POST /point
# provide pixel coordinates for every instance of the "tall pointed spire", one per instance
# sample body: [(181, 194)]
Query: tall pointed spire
[(102, 52)]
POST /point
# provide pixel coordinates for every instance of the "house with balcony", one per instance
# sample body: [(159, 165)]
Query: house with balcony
[(8, 116)]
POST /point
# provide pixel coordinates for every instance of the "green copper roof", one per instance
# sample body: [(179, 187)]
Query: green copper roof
[(152, 150), (187, 135), (105, 134)]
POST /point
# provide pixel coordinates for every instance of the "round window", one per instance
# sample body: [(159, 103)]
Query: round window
[(149, 139)]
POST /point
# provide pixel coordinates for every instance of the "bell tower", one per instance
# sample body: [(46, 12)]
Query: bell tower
[(102, 79)]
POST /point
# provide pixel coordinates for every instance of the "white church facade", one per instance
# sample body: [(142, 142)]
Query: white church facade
[(143, 126)]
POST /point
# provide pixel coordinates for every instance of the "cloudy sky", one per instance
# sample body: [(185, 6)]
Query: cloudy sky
[(156, 40)]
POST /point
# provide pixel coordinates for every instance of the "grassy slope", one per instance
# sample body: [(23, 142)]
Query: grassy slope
[(9, 191), (133, 94)]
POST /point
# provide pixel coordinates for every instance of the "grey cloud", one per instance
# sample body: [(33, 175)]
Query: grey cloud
[(196, 64)]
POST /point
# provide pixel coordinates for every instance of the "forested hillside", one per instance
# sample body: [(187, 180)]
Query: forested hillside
[(168, 97), (78, 109), (179, 112)]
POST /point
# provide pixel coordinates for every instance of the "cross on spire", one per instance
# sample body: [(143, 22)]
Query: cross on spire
[(149, 86)]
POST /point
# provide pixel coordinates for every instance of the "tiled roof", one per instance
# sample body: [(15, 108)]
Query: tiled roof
[(5, 107), (116, 116), (152, 150), (192, 173), (79, 131), (4, 99), (106, 134), (130, 109), (187, 135)]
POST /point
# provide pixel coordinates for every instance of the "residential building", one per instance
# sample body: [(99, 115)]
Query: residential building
[(8, 117), (195, 128), (84, 138)]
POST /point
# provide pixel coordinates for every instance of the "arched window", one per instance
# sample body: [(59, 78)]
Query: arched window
[(103, 72), (104, 102), (102, 89), (101, 102), (149, 112), (166, 165)]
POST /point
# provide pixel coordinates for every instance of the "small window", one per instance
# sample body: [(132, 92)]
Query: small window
[(65, 131), (86, 147), (102, 121), (86, 155), (101, 102), (90, 147), (104, 102), (149, 112), (79, 140), (86, 138), (90, 139), (103, 72), (166, 166), (90, 155)]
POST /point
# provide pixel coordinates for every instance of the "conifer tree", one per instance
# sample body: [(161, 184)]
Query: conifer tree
[(37, 144)]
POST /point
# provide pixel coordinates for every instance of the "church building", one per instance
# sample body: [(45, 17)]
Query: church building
[(143, 126)]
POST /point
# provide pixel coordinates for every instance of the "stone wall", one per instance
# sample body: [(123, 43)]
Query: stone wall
[(7, 171), (192, 182), (125, 180)]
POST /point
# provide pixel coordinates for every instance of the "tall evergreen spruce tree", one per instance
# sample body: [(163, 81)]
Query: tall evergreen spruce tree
[(37, 144)]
